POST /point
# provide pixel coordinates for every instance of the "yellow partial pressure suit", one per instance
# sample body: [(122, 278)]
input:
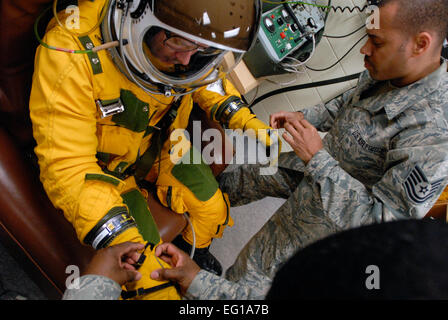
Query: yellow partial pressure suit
[(90, 164)]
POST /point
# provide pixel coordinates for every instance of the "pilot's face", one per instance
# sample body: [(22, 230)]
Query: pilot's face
[(175, 51)]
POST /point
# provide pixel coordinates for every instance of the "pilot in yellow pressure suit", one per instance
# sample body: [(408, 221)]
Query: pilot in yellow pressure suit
[(102, 119)]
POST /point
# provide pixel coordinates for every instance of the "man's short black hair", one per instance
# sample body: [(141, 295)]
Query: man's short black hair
[(411, 257), (423, 15)]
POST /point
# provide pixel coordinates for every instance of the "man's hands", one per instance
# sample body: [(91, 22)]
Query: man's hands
[(183, 271), (116, 262), (278, 120), (264, 134), (303, 137)]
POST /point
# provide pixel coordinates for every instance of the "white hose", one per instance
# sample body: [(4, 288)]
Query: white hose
[(194, 235)]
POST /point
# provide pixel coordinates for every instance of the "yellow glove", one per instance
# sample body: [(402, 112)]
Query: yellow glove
[(258, 130), (266, 135)]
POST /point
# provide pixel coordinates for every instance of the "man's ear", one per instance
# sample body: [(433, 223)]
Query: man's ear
[(422, 43)]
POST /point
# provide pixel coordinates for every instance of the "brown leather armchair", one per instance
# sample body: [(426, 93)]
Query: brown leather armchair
[(35, 233)]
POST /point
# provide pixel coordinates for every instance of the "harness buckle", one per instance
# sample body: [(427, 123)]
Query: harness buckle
[(110, 109)]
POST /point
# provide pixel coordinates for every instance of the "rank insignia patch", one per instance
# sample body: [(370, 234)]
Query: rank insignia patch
[(418, 188)]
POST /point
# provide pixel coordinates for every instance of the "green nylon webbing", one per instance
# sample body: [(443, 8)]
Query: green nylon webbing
[(93, 56)]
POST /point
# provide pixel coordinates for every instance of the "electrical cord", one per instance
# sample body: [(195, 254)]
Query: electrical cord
[(253, 99), (100, 20), (342, 9), (328, 68), (298, 2), (292, 67), (47, 46), (325, 8), (193, 246), (305, 86), (280, 83), (344, 36), (256, 100)]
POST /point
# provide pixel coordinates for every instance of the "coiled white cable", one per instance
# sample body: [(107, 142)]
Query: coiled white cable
[(194, 235), (293, 67)]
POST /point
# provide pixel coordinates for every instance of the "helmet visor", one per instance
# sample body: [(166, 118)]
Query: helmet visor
[(229, 23)]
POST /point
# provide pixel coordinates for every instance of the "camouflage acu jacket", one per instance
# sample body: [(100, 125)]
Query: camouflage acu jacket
[(385, 157)]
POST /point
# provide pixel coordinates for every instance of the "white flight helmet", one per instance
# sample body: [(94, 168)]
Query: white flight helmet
[(175, 46)]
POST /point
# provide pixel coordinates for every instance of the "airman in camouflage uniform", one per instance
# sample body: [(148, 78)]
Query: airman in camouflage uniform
[(385, 157)]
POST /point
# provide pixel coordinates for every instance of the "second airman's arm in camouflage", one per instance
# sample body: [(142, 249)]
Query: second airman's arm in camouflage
[(220, 289), (94, 287)]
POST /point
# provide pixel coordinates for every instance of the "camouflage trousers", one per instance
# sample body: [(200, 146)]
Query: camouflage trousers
[(287, 231)]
